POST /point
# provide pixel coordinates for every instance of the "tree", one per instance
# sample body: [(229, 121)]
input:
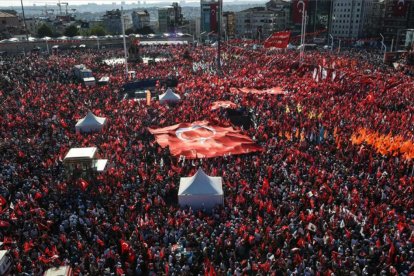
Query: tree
[(129, 31), (72, 30), (44, 30), (144, 31), (98, 31)]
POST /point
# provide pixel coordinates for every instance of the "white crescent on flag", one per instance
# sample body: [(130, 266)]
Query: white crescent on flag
[(301, 2)]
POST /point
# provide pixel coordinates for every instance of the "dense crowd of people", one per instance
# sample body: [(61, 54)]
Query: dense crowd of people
[(311, 203)]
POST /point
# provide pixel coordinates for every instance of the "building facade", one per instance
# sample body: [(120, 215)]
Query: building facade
[(398, 17), (229, 24), (140, 19), (112, 21), (351, 18), (259, 23), (170, 18), (9, 24)]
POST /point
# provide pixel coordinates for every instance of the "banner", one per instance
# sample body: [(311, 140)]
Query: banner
[(214, 9), (278, 40), (297, 10), (400, 7), (223, 104), (202, 140), (271, 91)]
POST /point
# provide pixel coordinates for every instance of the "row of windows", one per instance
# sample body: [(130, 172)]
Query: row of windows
[(340, 16), (345, 4), (346, 21), (344, 10)]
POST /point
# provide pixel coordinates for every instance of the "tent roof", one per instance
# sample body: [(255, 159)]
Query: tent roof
[(200, 184), (81, 153), (169, 95), (91, 119)]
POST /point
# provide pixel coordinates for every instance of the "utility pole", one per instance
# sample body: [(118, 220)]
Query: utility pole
[(24, 21)]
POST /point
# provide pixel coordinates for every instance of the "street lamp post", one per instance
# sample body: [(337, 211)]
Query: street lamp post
[(383, 45), (332, 42), (125, 48)]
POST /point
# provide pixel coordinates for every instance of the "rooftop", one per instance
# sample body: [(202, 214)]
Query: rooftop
[(5, 14)]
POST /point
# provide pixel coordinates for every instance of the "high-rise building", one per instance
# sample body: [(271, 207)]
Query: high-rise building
[(398, 17), (170, 18), (350, 18), (210, 11), (140, 19), (259, 23)]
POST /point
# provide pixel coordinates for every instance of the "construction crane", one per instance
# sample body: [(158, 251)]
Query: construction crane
[(60, 7)]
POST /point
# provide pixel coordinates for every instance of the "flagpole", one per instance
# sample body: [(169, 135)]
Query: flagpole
[(303, 31), (125, 48), (220, 4)]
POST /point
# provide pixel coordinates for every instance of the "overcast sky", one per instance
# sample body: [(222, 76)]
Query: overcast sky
[(8, 3)]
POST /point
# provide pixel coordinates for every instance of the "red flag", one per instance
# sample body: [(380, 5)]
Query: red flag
[(124, 247), (4, 224), (83, 184), (100, 242), (28, 246), (213, 17), (400, 7), (278, 40), (3, 201), (297, 9), (265, 186), (63, 123)]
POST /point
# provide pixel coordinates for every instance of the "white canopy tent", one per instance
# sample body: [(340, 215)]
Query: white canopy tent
[(201, 191), (90, 123), (169, 96)]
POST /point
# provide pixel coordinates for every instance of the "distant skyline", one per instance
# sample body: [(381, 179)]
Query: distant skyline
[(15, 3)]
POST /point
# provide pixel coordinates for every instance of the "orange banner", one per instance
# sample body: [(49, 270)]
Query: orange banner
[(384, 144)]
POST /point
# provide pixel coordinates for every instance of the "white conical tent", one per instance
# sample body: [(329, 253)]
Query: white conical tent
[(90, 123), (169, 96), (200, 191)]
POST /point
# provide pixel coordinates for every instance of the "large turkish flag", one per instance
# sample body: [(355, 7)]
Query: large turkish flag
[(201, 140)]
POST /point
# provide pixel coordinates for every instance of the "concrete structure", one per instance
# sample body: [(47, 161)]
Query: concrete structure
[(170, 18), (229, 24), (140, 19), (9, 24), (350, 18), (112, 22), (259, 23)]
